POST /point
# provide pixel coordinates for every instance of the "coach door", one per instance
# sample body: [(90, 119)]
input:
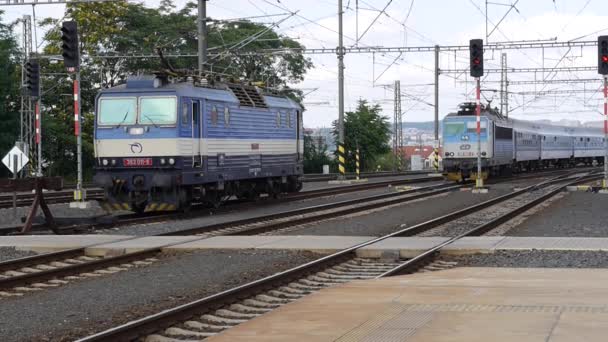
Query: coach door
[(298, 131), (197, 133)]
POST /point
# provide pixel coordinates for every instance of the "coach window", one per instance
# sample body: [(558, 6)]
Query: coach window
[(278, 119), (289, 120), (157, 110)]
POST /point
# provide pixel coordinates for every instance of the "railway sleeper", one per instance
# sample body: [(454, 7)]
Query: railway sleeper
[(188, 333), (272, 299), (248, 309), (213, 319), (293, 290), (161, 338), (260, 304), (283, 294), (226, 313), (303, 287), (205, 327)]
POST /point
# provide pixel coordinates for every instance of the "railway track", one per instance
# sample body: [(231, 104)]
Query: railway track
[(6, 201), (211, 315), (93, 193), (37, 272), (54, 269)]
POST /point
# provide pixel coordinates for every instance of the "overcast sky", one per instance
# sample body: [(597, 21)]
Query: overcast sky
[(426, 23)]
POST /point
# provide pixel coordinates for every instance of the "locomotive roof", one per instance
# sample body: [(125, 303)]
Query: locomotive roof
[(146, 84)]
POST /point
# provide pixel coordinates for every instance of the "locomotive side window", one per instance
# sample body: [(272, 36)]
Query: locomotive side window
[(185, 116), (157, 110), (117, 111)]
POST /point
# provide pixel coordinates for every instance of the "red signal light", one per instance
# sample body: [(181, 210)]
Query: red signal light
[(605, 58), (477, 61)]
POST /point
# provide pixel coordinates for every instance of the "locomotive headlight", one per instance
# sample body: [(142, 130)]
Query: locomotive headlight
[(451, 154), (447, 154), (162, 161), (171, 161), (483, 153), (113, 162), (104, 162)]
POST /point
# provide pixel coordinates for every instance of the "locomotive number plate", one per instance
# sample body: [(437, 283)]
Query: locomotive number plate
[(130, 162)]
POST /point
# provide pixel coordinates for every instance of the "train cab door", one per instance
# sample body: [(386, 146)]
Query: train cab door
[(197, 133), (298, 132)]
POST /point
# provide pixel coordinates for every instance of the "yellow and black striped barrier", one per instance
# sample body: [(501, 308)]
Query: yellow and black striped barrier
[(341, 161), (357, 169), (436, 159)]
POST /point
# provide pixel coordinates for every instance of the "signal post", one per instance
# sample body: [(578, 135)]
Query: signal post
[(71, 60), (602, 69), (476, 69)]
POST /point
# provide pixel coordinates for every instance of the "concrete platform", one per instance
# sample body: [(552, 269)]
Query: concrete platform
[(403, 247), (461, 304)]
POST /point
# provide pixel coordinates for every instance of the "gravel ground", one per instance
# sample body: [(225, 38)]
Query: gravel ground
[(576, 214), (93, 305), (384, 221), (241, 212), (534, 258), (309, 186), (464, 224), (9, 219), (8, 253)]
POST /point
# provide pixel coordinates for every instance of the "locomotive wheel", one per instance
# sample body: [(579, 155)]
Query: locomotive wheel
[(139, 207)]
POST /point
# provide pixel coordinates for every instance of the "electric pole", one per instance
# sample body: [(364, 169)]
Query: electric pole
[(340, 53), (202, 35)]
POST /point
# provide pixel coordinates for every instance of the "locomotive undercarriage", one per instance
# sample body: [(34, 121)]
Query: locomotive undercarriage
[(118, 197)]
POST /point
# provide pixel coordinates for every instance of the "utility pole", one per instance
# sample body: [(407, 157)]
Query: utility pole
[(26, 136), (398, 131), (437, 94), (504, 97), (340, 53), (202, 35)]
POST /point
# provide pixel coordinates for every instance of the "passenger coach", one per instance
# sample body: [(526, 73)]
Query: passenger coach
[(162, 145)]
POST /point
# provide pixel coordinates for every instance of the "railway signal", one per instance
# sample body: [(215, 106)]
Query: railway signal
[(602, 55), (476, 57), (32, 76), (602, 68), (69, 37)]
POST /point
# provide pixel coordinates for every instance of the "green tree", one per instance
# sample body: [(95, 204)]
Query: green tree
[(10, 80), (315, 155), (368, 130)]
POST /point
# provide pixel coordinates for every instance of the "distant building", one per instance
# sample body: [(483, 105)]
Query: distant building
[(424, 151)]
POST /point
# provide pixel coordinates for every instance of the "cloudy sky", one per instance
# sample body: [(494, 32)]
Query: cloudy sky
[(426, 23)]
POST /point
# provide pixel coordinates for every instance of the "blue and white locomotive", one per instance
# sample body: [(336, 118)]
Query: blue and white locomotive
[(161, 145), (509, 145)]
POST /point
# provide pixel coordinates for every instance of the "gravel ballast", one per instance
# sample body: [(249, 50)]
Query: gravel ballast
[(534, 258), (580, 214), (9, 253), (384, 221), (241, 212), (91, 305)]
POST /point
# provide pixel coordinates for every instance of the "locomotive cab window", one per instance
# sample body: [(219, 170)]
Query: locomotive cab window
[(454, 128), (117, 111), (157, 110)]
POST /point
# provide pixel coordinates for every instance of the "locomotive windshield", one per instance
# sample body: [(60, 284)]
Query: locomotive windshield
[(117, 111), (454, 128), (158, 110)]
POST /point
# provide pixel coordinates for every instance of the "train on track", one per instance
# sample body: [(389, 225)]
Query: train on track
[(510, 145), (162, 144)]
